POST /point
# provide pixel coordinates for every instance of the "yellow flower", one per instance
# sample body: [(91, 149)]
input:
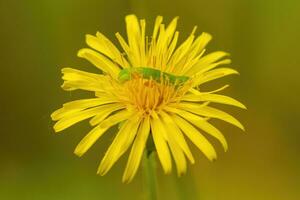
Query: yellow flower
[(145, 105)]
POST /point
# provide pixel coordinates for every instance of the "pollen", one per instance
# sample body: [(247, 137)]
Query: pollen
[(148, 95)]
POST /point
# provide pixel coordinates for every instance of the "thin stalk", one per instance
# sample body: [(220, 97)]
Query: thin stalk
[(150, 175)]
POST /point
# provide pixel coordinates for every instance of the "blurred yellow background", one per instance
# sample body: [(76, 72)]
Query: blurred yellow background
[(38, 38)]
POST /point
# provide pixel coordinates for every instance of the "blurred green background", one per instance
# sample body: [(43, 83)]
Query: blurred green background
[(38, 38)]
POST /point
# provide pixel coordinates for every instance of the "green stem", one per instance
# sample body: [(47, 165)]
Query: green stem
[(150, 175)]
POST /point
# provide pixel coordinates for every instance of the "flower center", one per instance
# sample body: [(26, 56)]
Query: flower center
[(149, 95)]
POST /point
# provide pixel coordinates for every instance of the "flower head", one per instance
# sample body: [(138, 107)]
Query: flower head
[(151, 88)]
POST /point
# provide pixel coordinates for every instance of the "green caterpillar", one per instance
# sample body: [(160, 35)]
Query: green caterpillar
[(150, 73)]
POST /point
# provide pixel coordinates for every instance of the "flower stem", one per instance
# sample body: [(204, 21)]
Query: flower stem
[(150, 175)]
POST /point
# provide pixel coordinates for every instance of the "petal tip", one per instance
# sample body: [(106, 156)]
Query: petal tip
[(242, 128), (56, 129), (126, 179), (225, 148), (205, 34), (192, 161), (100, 172), (81, 53), (78, 152), (213, 159)]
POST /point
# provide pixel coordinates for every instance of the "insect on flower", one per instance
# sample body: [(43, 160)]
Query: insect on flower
[(151, 89), (150, 73)]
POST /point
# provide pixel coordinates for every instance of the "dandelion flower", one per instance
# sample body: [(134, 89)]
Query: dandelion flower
[(151, 90)]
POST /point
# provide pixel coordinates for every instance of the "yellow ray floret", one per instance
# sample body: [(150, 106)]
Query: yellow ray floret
[(160, 100)]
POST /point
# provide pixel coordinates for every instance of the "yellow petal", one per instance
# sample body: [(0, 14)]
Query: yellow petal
[(105, 111), (172, 45), (196, 50), (213, 98), (160, 48), (105, 46), (134, 38), (211, 130), (177, 134), (207, 62), (89, 140), (163, 41), (158, 134), (100, 61), (62, 112), (124, 114), (171, 30), (68, 70), (123, 43), (212, 75), (119, 146), (75, 117), (212, 57), (87, 103), (114, 50), (142, 43), (202, 123), (99, 45), (76, 79), (79, 85), (98, 131), (177, 152), (137, 151), (126, 48), (214, 65), (152, 47), (158, 21), (196, 137), (204, 39), (196, 92), (211, 112), (179, 54), (178, 157)]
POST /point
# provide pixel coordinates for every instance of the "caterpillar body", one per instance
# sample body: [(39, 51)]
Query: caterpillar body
[(150, 73)]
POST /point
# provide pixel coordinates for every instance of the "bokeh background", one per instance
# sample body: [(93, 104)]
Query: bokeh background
[(38, 38)]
